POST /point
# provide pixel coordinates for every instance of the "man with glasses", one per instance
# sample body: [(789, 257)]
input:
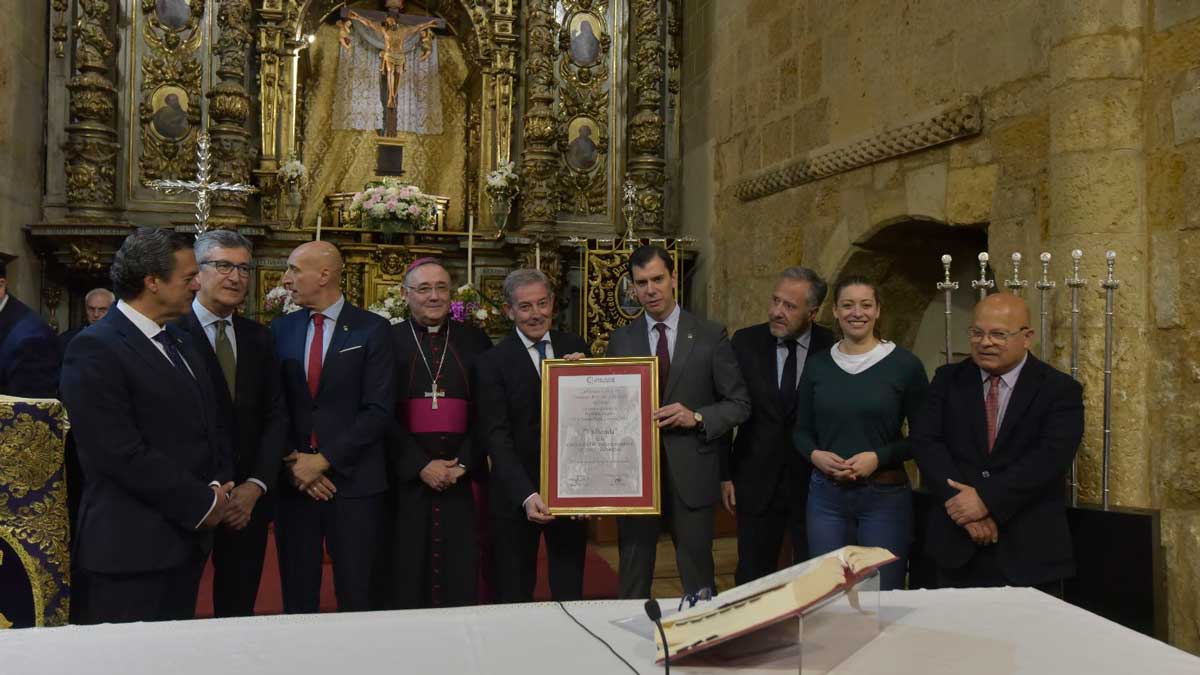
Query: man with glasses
[(337, 365), (240, 358), (994, 443), (437, 469)]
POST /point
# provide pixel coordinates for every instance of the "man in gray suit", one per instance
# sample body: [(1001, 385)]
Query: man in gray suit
[(702, 398)]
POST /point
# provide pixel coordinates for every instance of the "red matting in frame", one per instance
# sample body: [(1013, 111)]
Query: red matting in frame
[(645, 504)]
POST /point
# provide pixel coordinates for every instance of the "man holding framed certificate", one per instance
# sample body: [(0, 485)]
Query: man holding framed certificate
[(509, 395), (703, 397)]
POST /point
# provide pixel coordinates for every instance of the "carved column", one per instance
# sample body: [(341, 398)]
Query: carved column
[(229, 108), (91, 147), (539, 159), (646, 128), (272, 36)]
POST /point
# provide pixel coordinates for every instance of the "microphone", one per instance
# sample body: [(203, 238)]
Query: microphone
[(655, 613)]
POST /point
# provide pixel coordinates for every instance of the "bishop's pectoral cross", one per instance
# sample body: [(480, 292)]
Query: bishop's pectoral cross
[(434, 394)]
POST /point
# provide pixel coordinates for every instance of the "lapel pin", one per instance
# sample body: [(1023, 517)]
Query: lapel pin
[(689, 336), (345, 327)]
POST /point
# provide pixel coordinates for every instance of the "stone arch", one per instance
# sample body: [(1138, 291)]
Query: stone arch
[(903, 255)]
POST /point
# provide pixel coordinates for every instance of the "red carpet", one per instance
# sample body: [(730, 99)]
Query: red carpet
[(599, 582)]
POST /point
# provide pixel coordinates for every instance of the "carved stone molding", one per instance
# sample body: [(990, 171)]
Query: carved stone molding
[(91, 147), (933, 127), (539, 159), (229, 108), (647, 165)]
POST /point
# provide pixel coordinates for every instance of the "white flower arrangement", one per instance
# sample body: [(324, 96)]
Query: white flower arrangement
[(293, 172), (392, 306), (504, 182), (390, 204), (278, 302)]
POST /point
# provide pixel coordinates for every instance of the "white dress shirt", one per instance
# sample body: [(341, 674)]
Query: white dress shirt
[(672, 322), (802, 343), (149, 327), (1007, 382), (331, 313), (531, 349), (208, 321), (857, 363), (3, 302)]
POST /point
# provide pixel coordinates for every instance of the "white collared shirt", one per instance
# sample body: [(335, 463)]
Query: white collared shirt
[(802, 343), (1008, 381), (531, 349), (857, 363), (3, 302), (672, 322), (331, 313), (208, 321)]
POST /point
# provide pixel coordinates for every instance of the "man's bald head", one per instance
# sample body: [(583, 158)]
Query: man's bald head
[(1000, 333), (314, 275)]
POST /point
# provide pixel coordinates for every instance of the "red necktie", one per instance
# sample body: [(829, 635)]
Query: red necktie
[(663, 352), (314, 364), (992, 404)]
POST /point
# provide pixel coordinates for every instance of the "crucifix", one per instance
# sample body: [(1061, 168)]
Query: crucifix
[(395, 28), (434, 394), (202, 186)]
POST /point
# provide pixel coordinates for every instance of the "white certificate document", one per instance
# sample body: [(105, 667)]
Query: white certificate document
[(600, 436)]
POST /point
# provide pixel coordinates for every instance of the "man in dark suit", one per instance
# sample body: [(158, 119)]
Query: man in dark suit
[(509, 388), (769, 487), (702, 398), (994, 442), (155, 459), (337, 365), (240, 357), (29, 354), (97, 302)]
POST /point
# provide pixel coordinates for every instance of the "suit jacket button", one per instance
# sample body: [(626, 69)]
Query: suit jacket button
[(986, 474)]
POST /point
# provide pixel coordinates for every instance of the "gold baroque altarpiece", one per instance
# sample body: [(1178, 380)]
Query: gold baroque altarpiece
[(581, 95)]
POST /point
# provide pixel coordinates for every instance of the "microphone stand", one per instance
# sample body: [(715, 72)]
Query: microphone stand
[(655, 613)]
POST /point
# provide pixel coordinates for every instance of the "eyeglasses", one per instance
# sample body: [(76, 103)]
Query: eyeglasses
[(997, 337), (425, 290), (225, 268)]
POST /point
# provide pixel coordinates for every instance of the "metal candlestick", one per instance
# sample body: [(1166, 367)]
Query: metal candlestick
[(1015, 285), (1075, 282), (1043, 286), (948, 287), (1110, 285), (629, 190), (983, 284)]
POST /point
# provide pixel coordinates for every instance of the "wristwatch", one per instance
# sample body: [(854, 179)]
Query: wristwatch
[(699, 420)]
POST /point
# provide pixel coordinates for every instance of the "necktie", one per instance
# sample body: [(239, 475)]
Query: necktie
[(540, 345), (992, 404), (173, 354), (314, 364), (226, 358), (663, 352), (787, 381)]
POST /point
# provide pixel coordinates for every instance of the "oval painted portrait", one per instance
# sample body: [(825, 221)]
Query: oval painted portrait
[(173, 14), (170, 104), (582, 153), (585, 39)]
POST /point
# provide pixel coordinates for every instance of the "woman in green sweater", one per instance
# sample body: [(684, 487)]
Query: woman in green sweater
[(851, 405)]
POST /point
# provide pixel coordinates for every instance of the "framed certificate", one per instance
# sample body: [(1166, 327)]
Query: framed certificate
[(599, 441)]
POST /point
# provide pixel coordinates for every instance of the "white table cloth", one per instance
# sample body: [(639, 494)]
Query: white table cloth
[(979, 631)]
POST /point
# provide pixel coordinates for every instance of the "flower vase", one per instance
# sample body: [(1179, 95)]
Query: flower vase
[(292, 201), (501, 206)]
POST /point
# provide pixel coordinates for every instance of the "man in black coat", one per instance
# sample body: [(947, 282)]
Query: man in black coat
[(156, 462), (29, 353), (769, 487), (509, 394), (997, 435), (97, 302), (338, 366), (240, 358)]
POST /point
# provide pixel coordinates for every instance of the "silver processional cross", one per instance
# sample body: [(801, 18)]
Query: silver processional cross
[(202, 186), (434, 394)]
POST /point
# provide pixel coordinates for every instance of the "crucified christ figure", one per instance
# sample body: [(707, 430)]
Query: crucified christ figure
[(391, 62)]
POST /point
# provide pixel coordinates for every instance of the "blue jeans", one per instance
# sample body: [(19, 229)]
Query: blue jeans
[(866, 515)]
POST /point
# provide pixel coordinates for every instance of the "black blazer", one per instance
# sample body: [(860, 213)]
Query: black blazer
[(355, 404), (1021, 481), (149, 440), (764, 442), (509, 411), (29, 353), (257, 420)]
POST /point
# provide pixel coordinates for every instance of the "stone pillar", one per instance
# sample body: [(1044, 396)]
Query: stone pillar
[(1097, 190), (91, 148), (229, 108)]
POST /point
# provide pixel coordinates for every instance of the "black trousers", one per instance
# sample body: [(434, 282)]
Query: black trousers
[(515, 549), (238, 564), (691, 531), (162, 595), (983, 571), (351, 528), (760, 535)]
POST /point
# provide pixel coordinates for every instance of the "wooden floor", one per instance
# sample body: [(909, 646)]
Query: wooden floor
[(666, 574)]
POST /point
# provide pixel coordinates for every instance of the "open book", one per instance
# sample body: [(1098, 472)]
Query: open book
[(785, 594)]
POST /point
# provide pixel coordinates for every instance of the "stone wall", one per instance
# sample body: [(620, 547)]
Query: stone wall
[(1090, 139), (22, 121)]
